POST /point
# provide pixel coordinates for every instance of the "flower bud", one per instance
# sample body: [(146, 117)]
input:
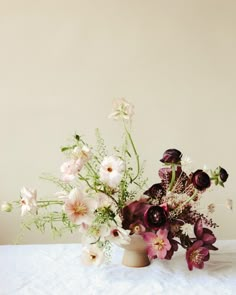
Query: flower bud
[(201, 180), (171, 156), (223, 174), (6, 207)]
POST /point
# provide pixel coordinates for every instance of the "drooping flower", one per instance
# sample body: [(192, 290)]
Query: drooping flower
[(200, 180), (157, 244), (111, 171), (92, 255), (122, 109), (79, 208), (196, 255), (28, 200), (81, 156), (171, 156), (205, 235), (119, 236), (69, 170)]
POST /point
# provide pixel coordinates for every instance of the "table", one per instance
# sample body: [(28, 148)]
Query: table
[(56, 269)]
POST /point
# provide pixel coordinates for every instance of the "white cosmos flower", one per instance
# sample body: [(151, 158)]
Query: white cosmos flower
[(122, 109), (111, 171), (79, 208), (28, 200), (119, 236), (92, 255)]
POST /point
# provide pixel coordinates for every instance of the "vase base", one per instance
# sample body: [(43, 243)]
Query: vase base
[(135, 259)]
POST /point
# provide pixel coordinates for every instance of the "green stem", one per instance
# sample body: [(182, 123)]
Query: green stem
[(172, 177), (135, 153)]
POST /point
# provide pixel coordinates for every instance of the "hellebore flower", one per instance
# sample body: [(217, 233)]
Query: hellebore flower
[(223, 174), (205, 235), (157, 244), (155, 191), (196, 255), (200, 180), (171, 156)]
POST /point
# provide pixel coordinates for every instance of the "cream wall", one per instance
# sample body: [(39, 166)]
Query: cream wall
[(62, 63)]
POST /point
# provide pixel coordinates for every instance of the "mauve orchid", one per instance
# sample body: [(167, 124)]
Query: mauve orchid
[(157, 244)]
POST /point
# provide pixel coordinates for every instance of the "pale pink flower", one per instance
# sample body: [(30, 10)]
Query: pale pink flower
[(92, 255), (122, 109), (81, 156), (157, 244), (111, 171), (28, 200), (79, 208), (119, 236), (69, 170)]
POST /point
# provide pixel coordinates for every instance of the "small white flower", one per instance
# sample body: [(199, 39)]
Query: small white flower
[(229, 204), (81, 156), (119, 236), (122, 109), (92, 255), (28, 200), (111, 171), (187, 229), (79, 208), (69, 170), (6, 207)]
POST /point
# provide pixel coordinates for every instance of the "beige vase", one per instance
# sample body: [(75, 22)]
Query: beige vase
[(135, 254)]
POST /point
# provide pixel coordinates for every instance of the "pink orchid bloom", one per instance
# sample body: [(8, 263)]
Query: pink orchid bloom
[(157, 244)]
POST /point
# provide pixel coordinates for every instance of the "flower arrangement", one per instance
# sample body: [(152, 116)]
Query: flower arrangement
[(103, 197)]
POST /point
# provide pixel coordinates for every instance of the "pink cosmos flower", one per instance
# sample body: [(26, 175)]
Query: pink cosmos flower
[(157, 244), (196, 255), (79, 208)]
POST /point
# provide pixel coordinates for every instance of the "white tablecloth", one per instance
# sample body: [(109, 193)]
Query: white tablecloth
[(56, 269)]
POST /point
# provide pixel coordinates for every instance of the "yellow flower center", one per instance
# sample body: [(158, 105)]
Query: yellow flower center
[(196, 256), (81, 209), (159, 244)]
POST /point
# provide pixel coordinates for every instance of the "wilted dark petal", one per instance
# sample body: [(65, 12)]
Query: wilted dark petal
[(198, 228), (171, 156), (223, 174)]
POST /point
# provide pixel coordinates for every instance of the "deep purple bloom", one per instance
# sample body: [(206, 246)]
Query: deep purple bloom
[(155, 191), (171, 156), (223, 174), (200, 180), (196, 255), (155, 217)]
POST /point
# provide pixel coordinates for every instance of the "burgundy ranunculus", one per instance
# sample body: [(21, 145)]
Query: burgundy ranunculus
[(171, 156), (155, 217), (200, 180), (223, 174)]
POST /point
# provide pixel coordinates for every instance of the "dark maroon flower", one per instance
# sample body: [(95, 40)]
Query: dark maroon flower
[(155, 217), (223, 174), (196, 255), (200, 180), (171, 156), (155, 191)]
